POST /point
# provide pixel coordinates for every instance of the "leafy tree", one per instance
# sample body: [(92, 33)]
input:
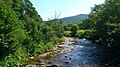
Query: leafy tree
[(11, 36), (66, 27), (22, 32), (74, 29)]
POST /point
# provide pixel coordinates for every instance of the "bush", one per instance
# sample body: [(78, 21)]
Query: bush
[(84, 34), (67, 33)]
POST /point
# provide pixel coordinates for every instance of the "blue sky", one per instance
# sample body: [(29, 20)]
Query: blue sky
[(66, 8)]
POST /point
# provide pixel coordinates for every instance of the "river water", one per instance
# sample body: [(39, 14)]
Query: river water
[(75, 53), (82, 53)]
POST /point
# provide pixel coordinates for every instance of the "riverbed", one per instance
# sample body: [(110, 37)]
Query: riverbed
[(82, 53), (72, 53)]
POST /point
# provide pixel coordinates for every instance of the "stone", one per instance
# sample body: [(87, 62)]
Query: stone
[(32, 57), (50, 62), (65, 56), (67, 62), (39, 61), (30, 65), (40, 66), (26, 59), (61, 46), (54, 65), (70, 58)]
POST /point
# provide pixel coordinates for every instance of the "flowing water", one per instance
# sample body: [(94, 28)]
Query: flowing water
[(82, 53), (75, 53)]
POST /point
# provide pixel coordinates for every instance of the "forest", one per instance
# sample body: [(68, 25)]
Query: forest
[(23, 33)]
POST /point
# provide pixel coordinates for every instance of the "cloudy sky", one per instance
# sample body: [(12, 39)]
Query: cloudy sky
[(47, 8)]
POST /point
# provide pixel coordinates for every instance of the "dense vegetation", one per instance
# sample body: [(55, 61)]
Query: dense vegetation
[(103, 27), (22, 33), (77, 30), (104, 21)]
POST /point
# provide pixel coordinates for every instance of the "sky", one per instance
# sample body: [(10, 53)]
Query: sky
[(47, 9)]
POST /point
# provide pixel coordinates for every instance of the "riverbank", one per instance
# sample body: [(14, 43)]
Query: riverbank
[(70, 53), (44, 58)]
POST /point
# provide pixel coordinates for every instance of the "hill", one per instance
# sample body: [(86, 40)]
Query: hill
[(73, 19)]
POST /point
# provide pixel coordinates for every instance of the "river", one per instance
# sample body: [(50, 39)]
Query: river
[(82, 53), (73, 53)]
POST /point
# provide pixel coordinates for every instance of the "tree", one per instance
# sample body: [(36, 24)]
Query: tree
[(22, 32), (11, 36), (104, 19), (66, 27), (74, 29)]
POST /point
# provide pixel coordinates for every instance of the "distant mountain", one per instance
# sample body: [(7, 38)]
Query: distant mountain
[(74, 19)]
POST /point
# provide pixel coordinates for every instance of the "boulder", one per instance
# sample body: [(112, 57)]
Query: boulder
[(61, 46), (54, 65)]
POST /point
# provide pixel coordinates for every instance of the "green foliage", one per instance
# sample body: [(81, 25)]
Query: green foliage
[(11, 37), (22, 33), (67, 33), (80, 34), (73, 30), (55, 29), (84, 33), (66, 27), (104, 20), (107, 22)]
